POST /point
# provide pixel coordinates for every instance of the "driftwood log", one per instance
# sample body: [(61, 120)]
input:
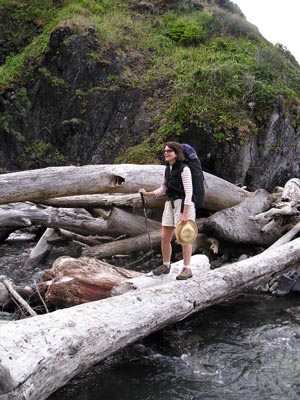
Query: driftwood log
[(125, 246), (236, 223), (42, 248), (41, 354), (72, 281), (104, 200), (29, 215), (42, 184), (132, 225)]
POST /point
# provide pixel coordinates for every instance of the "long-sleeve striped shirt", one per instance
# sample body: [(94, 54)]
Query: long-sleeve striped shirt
[(187, 182)]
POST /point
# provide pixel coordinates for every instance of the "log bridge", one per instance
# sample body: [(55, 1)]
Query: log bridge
[(40, 354)]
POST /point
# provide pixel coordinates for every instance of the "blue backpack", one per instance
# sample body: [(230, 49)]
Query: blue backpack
[(193, 162)]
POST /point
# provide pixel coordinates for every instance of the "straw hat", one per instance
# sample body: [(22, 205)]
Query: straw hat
[(186, 233)]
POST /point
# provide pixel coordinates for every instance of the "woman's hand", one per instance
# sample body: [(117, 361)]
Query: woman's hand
[(184, 216), (183, 219)]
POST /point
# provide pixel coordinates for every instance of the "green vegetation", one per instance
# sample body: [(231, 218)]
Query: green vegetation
[(220, 71), (37, 149)]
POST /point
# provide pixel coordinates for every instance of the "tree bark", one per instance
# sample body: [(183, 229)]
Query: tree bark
[(41, 354), (73, 281), (41, 184)]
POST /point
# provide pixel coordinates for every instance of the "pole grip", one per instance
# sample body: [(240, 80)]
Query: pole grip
[(143, 200)]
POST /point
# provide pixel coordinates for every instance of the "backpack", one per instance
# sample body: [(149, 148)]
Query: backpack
[(193, 162)]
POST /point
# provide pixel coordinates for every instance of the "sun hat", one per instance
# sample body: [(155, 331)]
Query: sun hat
[(186, 233)]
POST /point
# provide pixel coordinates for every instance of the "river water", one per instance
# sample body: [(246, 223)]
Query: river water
[(248, 348)]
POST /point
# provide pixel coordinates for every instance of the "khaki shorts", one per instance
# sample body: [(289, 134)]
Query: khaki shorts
[(171, 216)]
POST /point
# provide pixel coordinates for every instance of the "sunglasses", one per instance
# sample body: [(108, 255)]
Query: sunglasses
[(168, 151)]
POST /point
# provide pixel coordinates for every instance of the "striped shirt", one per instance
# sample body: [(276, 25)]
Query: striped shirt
[(187, 182)]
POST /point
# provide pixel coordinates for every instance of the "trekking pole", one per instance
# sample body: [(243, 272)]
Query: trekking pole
[(146, 222)]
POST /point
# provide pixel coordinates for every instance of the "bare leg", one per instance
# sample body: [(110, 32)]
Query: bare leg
[(166, 247), (187, 254)]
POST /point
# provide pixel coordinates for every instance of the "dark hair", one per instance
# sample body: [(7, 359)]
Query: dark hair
[(177, 148)]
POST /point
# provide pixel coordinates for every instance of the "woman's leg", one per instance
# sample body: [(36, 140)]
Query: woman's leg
[(166, 247), (166, 250), (187, 254)]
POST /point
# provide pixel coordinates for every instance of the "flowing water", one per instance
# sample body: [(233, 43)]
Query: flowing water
[(245, 349)]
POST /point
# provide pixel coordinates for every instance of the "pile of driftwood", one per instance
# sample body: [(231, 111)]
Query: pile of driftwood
[(98, 206), (109, 223)]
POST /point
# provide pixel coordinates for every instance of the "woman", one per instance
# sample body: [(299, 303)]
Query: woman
[(178, 187)]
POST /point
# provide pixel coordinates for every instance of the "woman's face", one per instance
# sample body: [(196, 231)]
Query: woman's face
[(170, 155)]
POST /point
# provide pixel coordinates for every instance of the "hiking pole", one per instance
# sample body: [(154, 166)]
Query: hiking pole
[(146, 222)]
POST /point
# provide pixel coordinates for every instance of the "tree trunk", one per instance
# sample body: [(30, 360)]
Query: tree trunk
[(67, 181), (104, 200), (41, 184), (129, 245), (73, 281), (125, 246), (130, 224), (53, 218), (42, 248), (41, 354), (236, 223)]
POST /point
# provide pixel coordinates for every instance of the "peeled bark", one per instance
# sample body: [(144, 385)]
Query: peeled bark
[(72, 281), (41, 354)]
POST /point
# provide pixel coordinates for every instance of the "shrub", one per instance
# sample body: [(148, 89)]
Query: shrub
[(185, 33)]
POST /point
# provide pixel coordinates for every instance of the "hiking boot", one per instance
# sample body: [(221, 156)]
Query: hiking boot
[(186, 273), (163, 269)]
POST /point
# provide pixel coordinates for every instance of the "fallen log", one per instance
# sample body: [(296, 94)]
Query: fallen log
[(291, 190), (41, 184), (67, 181), (283, 208), (235, 224), (287, 237), (72, 281), (130, 224), (104, 200), (42, 248), (52, 218), (41, 354), (125, 246), (129, 245)]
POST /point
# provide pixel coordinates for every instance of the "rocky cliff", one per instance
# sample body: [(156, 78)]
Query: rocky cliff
[(111, 81)]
